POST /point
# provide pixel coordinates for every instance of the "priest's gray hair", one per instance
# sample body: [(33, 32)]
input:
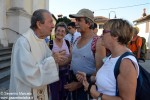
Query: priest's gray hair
[(38, 16)]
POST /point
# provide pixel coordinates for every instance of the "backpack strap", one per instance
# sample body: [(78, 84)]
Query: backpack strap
[(93, 44), (117, 66), (68, 44), (51, 44), (76, 39)]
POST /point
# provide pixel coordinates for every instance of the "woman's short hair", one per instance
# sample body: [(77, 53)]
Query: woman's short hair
[(120, 28), (61, 24)]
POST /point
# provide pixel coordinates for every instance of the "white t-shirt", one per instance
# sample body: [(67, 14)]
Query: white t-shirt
[(69, 36), (105, 79)]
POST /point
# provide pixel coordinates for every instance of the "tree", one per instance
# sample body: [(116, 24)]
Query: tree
[(64, 19)]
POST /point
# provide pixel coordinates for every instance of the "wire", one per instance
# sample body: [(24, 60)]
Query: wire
[(123, 7)]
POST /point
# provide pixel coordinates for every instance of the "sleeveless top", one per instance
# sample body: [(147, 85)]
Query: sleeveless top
[(105, 79), (56, 48), (83, 59)]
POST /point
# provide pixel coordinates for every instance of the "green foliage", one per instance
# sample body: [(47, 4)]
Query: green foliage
[(64, 19)]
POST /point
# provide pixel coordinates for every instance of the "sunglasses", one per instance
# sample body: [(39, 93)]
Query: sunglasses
[(106, 31)]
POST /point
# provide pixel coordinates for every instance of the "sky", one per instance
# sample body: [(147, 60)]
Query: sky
[(127, 9)]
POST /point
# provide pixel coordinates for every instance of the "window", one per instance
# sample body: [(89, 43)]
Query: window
[(100, 26)]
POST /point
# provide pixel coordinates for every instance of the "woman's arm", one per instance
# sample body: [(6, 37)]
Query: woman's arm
[(100, 54), (127, 80), (81, 76)]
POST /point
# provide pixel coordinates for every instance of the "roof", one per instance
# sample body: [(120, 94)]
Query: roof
[(100, 19), (143, 19)]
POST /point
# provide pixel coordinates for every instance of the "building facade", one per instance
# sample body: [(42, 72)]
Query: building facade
[(143, 24), (15, 18), (100, 20)]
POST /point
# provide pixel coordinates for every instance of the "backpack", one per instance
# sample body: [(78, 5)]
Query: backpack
[(51, 44), (143, 48), (93, 44), (143, 81)]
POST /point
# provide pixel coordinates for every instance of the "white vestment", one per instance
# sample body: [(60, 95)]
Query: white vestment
[(32, 67)]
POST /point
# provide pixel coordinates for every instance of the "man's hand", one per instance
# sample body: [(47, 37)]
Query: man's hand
[(59, 56), (81, 76)]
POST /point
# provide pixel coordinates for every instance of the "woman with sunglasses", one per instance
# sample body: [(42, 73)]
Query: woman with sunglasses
[(116, 35)]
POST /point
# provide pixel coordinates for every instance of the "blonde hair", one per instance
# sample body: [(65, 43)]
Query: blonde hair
[(135, 30), (120, 28)]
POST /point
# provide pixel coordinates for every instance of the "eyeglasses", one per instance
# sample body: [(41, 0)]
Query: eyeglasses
[(106, 31)]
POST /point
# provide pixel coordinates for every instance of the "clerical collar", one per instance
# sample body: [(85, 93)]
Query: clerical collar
[(36, 36)]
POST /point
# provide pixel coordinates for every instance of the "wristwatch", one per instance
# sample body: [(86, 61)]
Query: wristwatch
[(100, 96)]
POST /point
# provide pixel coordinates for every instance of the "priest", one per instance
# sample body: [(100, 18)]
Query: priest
[(33, 65)]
